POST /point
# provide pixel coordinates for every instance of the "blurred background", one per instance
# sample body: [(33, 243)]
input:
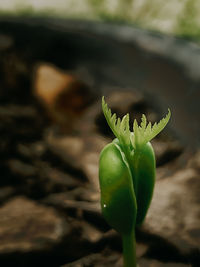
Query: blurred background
[(174, 17), (57, 59)]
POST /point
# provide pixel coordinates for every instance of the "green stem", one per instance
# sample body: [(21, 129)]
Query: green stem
[(129, 249)]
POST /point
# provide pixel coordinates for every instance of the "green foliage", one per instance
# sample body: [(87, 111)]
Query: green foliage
[(187, 23), (143, 133), (127, 175)]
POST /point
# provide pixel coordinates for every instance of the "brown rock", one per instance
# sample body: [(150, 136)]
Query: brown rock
[(60, 181), (90, 233), (174, 212), (85, 261), (166, 151), (41, 175), (107, 258), (154, 263), (90, 159), (194, 161), (69, 148), (110, 258), (82, 153), (28, 226), (67, 201), (89, 121)]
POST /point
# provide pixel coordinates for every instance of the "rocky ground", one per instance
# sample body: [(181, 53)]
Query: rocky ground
[(52, 131)]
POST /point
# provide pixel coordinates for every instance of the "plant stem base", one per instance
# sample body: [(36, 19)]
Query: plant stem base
[(129, 249)]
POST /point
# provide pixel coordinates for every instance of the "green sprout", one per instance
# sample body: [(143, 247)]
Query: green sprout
[(127, 176)]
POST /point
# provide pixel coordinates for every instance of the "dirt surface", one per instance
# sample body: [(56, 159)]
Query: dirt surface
[(49, 149)]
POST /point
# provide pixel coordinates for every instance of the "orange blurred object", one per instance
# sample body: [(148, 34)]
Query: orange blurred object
[(64, 96)]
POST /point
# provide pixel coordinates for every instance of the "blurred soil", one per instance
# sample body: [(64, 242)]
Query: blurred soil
[(52, 131)]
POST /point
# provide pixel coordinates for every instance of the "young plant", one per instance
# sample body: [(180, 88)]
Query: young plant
[(127, 176)]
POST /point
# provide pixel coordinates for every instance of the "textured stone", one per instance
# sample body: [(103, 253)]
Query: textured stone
[(110, 259), (154, 263), (60, 181), (82, 153), (107, 258), (166, 151), (174, 212), (194, 161), (28, 226), (67, 201)]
